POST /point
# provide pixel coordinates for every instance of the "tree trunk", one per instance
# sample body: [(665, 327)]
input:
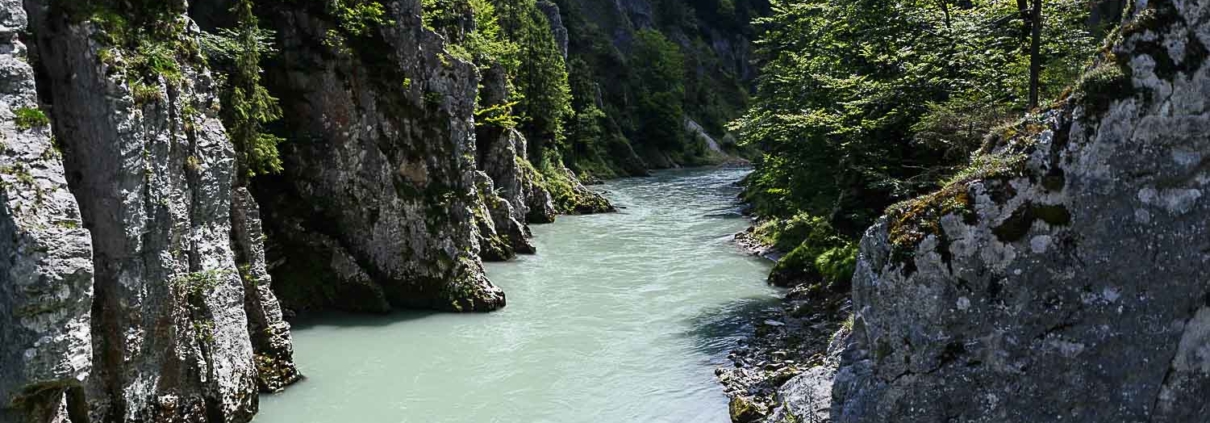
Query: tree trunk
[(1026, 19), (1035, 53), (945, 8)]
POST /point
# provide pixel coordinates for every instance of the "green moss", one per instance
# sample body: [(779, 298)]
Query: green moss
[(30, 117), (911, 221), (837, 265), (67, 224), (568, 200), (274, 373), (819, 256), (1102, 85)]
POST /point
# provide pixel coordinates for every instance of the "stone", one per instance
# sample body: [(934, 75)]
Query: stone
[(270, 334), (1077, 291), (46, 267), (387, 176), (555, 20), (743, 410), (152, 171)]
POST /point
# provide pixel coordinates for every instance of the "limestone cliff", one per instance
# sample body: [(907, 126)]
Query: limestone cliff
[(376, 208), (1063, 277), (46, 264), (145, 304)]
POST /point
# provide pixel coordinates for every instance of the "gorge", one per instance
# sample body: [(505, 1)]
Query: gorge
[(374, 210)]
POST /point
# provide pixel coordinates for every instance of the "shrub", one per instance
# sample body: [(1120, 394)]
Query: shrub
[(817, 254), (30, 117)]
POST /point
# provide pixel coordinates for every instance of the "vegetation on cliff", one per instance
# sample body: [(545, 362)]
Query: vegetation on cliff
[(639, 74), (864, 104), (247, 105)]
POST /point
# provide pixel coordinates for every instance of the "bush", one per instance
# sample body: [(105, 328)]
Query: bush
[(817, 254), (837, 266), (30, 117)]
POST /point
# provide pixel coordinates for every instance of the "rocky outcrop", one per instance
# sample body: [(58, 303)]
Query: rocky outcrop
[(270, 334), (501, 235), (1064, 277), (151, 167), (378, 195), (555, 21), (46, 265), (501, 155), (575, 198), (144, 303)]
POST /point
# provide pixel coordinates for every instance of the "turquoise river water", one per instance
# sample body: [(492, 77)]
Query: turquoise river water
[(619, 318)]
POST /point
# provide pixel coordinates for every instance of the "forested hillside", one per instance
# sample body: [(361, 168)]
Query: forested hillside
[(609, 89), (863, 104), (639, 69)]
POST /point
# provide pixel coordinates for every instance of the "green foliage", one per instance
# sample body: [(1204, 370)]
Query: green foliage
[(142, 40), (487, 41), (247, 104), (193, 289), (660, 78), (837, 265), (500, 115), (864, 103), (199, 283), (542, 94), (30, 117), (357, 17), (816, 252), (483, 43)]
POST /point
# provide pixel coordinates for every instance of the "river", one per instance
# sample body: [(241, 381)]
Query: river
[(619, 318)]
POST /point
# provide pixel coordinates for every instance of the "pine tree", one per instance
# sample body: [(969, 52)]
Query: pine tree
[(247, 104)]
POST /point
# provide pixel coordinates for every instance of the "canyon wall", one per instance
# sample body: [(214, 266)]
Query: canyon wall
[(1063, 276)]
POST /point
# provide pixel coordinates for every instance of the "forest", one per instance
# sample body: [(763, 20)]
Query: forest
[(861, 105)]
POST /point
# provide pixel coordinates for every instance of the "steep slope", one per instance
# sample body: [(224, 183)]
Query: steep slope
[(1062, 277), (376, 206), (46, 264), (162, 313), (622, 128)]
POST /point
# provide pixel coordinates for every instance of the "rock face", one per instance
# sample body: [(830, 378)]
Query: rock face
[(143, 303), (46, 266), (501, 155), (1072, 282), (376, 207), (557, 28), (270, 334), (170, 334)]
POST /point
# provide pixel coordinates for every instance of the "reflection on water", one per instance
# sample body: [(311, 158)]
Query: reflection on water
[(619, 318)]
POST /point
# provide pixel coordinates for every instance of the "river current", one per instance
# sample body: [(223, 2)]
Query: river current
[(619, 318)]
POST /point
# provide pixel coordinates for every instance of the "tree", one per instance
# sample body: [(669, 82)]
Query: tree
[(862, 103), (1035, 53), (543, 94), (247, 104), (659, 72)]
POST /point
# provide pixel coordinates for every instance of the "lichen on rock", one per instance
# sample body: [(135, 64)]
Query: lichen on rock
[(1072, 287)]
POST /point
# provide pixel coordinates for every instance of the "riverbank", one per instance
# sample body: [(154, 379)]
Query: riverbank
[(784, 342), (620, 317)]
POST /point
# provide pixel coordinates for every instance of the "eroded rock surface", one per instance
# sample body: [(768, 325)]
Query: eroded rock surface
[(382, 172), (1072, 285), (170, 335), (46, 265), (131, 307)]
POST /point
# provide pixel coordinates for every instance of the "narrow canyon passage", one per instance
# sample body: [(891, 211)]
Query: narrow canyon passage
[(619, 318)]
